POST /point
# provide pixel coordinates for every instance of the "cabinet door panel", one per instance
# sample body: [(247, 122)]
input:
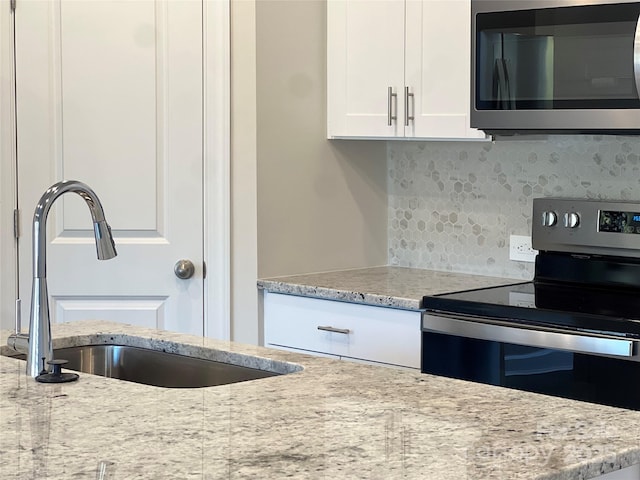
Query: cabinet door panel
[(438, 43), (365, 54)]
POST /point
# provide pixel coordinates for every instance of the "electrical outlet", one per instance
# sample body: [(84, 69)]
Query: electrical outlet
[(520, 249)]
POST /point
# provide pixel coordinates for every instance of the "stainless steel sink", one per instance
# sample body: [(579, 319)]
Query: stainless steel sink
[(152, 367)]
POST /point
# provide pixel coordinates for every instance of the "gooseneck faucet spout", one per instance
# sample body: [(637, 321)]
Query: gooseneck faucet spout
[(39, 338)]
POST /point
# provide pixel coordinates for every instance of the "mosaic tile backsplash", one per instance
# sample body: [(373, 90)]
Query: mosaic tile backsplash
[(453, 205)]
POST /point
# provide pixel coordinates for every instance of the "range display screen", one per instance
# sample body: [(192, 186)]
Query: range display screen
[(619, 222)]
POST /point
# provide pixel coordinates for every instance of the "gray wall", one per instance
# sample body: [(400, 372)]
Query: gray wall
[(322, 205)]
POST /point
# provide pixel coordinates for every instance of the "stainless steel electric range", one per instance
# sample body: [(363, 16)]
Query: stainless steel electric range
[(574, 331)]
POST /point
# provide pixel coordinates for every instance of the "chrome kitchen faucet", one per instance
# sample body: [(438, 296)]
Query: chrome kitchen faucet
[(40, 349)]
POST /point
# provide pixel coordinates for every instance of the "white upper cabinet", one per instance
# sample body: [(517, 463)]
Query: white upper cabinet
[(399, 69)]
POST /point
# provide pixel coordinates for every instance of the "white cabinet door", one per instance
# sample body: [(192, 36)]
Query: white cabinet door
[(438, 68), (418, 48), (348, 330), (365, 42), (110, 93)]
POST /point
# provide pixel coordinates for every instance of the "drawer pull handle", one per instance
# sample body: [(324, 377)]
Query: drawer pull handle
[(344, 331)]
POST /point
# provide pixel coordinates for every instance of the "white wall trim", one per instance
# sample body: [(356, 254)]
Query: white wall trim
[(8, 253), (244, 201), (217, 170)]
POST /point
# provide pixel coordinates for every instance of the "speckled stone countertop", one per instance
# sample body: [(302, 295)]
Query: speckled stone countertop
[(396, 287), (330, 420)]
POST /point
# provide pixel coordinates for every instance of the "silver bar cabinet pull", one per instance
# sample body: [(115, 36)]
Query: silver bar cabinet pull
[(344, 331), (391, 114), (407, 96)]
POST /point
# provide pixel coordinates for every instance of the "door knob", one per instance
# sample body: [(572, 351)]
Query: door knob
[(184, 269)]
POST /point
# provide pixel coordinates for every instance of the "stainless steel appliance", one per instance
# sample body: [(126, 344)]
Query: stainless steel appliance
[(555, 65), (574, 331)]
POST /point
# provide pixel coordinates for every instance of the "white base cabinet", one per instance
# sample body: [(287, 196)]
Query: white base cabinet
[(343, 330)]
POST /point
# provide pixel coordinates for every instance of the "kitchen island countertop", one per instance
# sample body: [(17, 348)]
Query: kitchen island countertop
[(331, 420), (386, 286)]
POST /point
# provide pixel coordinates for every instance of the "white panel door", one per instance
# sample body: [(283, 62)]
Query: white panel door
[(365, 57), (110, 93)]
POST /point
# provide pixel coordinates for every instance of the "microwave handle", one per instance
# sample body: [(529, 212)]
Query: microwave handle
[(636, 56)]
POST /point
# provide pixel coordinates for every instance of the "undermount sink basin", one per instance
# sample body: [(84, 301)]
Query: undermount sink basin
[(152, 367)]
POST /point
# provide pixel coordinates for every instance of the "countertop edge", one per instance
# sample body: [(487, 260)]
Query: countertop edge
[(327, 293)]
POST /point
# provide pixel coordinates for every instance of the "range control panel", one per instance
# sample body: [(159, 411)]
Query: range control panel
[(581, 226)]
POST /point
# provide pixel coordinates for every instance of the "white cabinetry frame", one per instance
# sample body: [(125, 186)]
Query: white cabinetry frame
[(399, 69), (342, 330)]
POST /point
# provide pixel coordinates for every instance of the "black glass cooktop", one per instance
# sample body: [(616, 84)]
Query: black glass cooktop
[(575, 307)]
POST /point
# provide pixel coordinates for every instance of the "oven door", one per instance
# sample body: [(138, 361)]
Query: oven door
[(590, 367), (566, 66)]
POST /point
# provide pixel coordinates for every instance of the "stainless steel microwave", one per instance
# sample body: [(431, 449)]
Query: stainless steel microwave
[(555, 66)]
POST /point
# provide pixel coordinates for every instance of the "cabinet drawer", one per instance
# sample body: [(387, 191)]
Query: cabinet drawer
[(365, 332)]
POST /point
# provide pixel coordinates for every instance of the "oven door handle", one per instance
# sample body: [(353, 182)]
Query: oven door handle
[(539, 337)]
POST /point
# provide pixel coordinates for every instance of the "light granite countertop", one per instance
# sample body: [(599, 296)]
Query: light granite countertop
[(396, 287), (330, 420)]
